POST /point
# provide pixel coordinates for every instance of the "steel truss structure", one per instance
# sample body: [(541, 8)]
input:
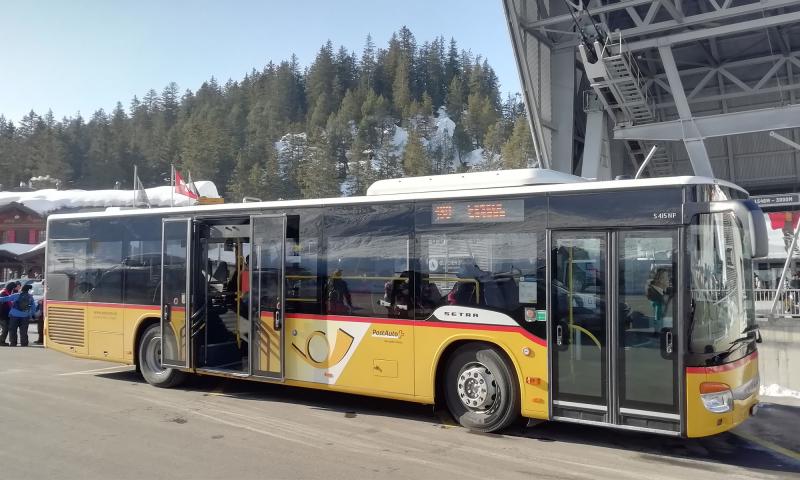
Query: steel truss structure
[(716, 75)]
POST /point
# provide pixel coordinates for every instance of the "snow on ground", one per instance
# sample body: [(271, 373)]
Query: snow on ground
[(51, 200), (473, 158), (776, 390), (399, 139), (290, 139)]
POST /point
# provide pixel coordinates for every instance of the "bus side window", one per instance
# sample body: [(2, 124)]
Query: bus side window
[(482, 268), (367, 248)]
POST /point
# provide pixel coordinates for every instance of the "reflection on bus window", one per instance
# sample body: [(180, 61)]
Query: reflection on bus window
[(491, 270), (721, 279), (362, 270)]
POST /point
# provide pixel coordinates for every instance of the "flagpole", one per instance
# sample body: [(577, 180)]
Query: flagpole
[(135, 176), (171, 185)]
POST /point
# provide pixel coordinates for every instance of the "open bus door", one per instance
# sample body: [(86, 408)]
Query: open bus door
[(176, 241), (267, 295)]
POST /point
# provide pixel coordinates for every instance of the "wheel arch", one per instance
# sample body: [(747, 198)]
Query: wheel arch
[(446, 351), (141, 326)]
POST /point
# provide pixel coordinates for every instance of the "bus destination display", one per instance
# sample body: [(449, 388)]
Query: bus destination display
[(483, 211)]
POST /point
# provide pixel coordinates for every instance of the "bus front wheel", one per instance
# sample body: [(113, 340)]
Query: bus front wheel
[(481, 390), (150, 360)]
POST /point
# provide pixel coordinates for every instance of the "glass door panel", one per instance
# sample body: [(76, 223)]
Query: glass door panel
[(579, 323), (267, 296), (647, 356), (175, 300)]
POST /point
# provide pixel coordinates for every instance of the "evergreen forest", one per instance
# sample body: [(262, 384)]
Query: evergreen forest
[(289, 131)]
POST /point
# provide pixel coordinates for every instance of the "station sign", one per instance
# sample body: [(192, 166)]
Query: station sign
[(780, 200)]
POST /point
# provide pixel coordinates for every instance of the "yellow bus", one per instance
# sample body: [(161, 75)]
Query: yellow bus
[(500, 295)]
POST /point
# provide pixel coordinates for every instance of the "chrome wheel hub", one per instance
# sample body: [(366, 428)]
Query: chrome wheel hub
[(153, 356), (476, 387)]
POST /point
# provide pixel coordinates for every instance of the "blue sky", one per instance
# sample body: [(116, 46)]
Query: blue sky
[(82, 55)]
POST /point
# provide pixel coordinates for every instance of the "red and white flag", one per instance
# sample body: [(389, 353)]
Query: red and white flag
[(182, 188)]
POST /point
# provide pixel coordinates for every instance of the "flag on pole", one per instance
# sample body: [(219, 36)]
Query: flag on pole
[(192, 186), (181, 187), (139, 193)]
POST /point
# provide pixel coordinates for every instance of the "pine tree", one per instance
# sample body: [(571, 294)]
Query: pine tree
[(367, 64), (400, 89), (317, 174), (518, 151), (456, 99), (480, 115), (415, 158), (361, 174)]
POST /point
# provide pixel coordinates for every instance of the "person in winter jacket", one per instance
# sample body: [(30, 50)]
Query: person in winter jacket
[(21, 312), (5, 309)]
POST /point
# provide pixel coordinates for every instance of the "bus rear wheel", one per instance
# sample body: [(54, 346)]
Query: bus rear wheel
[(480, 388), (150, 360)]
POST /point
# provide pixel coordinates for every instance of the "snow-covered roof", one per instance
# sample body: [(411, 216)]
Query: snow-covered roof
[(50, 200), (16, 248)]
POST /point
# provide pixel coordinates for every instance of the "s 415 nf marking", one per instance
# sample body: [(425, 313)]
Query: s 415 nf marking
[(665, 215)]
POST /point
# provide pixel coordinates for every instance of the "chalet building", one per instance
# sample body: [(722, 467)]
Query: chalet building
[(21, 229)]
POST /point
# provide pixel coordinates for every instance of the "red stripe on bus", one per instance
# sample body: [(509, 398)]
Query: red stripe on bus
[(108, 305), (724, 368), (344, 318), (423, 323)]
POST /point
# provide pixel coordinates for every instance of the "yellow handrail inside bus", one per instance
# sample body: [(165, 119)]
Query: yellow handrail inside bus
[(588, 333)]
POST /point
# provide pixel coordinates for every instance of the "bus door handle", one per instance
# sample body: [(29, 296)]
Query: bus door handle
[(559, 334), (668, 342), (165, 312), (278, 318)]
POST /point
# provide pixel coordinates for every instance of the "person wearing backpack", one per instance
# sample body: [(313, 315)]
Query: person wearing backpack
[(20, 314), (5, 309)]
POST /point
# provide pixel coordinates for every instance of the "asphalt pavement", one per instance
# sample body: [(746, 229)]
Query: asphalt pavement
[(70, 418)]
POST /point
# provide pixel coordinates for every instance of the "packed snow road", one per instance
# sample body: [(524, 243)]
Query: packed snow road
[(70, 418)]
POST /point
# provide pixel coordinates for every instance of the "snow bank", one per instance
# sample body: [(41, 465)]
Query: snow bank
[(776, 390), (50, 200)]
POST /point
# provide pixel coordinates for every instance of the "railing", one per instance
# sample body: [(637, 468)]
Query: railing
[(788, 302)]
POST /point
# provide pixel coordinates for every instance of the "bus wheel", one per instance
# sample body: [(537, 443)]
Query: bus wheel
[(150, 360), (480, 388)]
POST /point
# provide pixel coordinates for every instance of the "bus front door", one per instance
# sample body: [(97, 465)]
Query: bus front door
[(613, 337), (267, 295), (176, 238)]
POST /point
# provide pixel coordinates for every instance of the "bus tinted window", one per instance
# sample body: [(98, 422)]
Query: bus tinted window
[(498, 271), (367, 261), (142, 260), (302, 259), (105, 267), (67, 260)]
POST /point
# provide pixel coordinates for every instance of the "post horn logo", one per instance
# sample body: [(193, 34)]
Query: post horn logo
[(320, 354)]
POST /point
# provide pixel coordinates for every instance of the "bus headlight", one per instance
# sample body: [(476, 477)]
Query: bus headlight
[(717, 397)]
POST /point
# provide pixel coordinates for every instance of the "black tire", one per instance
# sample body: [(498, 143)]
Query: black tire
[(150, 360), (481, 376)]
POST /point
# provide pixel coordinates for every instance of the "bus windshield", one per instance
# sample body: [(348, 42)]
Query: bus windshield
[(721, 283)]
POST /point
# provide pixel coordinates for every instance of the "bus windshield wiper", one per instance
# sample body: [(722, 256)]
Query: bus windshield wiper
[(739, 340), (731, 347)]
